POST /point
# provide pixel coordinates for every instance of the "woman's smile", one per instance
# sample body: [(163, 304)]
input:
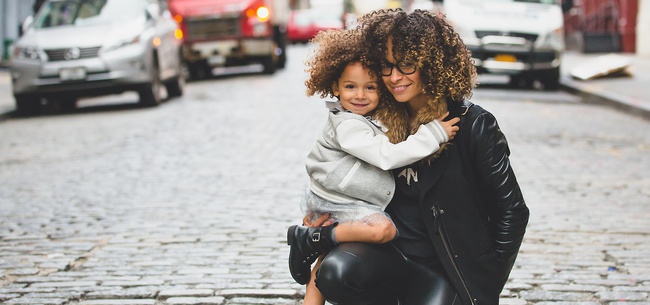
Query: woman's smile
[(399, 89)]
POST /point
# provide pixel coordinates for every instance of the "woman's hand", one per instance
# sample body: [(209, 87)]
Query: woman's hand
[(323, 220)]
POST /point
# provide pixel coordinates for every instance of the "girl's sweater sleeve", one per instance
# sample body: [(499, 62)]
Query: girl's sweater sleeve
[(357, 139)]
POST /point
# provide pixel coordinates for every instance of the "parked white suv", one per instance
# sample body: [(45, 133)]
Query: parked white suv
[(520, 38), (76, 48)]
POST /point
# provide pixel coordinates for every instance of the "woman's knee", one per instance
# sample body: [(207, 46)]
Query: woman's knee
[(349, 273), (339, 268)]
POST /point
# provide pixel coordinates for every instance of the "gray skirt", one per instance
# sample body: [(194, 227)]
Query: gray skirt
[(355, 211)]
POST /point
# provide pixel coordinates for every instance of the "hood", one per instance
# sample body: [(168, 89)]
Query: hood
[(81, 36), (505, 16), (196, 8)]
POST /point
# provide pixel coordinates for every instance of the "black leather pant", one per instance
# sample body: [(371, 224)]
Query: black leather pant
[(378, 274)]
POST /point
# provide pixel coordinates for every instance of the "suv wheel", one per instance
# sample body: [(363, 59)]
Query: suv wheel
[(27, 104), (524, 81), (269, 64), (67, 104), (176, 85), (150, 93), (551, 79), (198, 70)]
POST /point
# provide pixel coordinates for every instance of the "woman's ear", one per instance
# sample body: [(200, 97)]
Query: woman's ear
[(335, 89)]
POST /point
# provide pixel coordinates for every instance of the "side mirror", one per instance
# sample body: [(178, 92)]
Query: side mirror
[(153, 10)]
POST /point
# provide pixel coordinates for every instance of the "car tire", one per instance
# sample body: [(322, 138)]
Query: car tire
[(199, 70), (282, 60), (524, 81), (176, 85), (68, 104), (27, 105), (269, 64), (280, 37), (551, 79), (150, 92)]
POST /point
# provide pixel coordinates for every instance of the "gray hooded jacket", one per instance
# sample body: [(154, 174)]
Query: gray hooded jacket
[(352, 156)]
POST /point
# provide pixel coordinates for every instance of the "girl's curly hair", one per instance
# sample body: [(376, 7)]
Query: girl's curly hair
[(336, 49), (427, 40)]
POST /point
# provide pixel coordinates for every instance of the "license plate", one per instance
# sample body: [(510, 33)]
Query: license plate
[(505, 57), (217, 60), (69, 74)]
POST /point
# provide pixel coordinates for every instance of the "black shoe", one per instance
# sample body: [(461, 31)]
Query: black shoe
[(306, 245)]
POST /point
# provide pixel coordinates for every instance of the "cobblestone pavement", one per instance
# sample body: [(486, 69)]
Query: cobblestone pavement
[(188, 203)]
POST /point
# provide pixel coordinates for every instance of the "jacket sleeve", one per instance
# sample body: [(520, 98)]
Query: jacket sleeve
[(506, 207), (358, 139)]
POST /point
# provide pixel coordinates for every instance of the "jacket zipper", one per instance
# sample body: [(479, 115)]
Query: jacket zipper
[(437, 213)]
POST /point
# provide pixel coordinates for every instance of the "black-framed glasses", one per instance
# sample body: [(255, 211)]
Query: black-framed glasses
[(405, 68)]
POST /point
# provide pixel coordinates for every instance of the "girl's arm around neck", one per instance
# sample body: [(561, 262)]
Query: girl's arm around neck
[(358, 139)]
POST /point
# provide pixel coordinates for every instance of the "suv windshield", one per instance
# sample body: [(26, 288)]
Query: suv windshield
[(88, 12)]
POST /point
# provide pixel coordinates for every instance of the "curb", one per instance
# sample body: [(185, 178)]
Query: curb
[(593, 95)]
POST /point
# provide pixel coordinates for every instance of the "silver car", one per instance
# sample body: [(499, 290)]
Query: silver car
[(78, 48)]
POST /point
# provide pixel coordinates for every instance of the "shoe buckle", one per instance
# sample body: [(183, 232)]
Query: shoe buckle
[(315, 237)]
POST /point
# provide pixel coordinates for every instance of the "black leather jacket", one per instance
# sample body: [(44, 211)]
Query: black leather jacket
[(473, 207)]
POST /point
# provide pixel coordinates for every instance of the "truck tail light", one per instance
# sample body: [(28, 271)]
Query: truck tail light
[(182, 27), (178, 33), (256, 23), (262, 13)]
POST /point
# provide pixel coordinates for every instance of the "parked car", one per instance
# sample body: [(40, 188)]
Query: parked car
[(305, 24), (77, 48), (521, 39)]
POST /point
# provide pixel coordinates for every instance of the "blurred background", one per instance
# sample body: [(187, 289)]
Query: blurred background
[(170, 41), (588, 24)]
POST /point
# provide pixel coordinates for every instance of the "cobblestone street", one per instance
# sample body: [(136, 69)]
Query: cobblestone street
[(189, 202)]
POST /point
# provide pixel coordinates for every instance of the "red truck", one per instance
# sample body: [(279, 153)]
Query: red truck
[(232, 33)]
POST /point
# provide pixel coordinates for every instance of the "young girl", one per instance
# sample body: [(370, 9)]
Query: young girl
[(350, 184)]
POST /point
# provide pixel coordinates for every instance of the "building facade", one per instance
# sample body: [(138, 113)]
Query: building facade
[(12, 15), (605, 25)]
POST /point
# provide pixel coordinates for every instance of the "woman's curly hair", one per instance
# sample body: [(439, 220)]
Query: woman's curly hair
[(336, 49), (427, 40)]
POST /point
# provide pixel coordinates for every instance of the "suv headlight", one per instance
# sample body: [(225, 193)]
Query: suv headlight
[(553, 40), (28, 53), (123, 43)]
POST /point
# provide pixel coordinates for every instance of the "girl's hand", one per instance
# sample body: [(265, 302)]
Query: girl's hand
[(449, 125), (323, 220)]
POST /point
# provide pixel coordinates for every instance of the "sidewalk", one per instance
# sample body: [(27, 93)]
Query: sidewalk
[(628, 93)]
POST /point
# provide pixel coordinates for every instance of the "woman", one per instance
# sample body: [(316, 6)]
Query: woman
[(460, 213)]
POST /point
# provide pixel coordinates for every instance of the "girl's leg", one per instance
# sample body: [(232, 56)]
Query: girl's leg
[(362, 273), (307, 243), (313, 295), (375, 228)]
